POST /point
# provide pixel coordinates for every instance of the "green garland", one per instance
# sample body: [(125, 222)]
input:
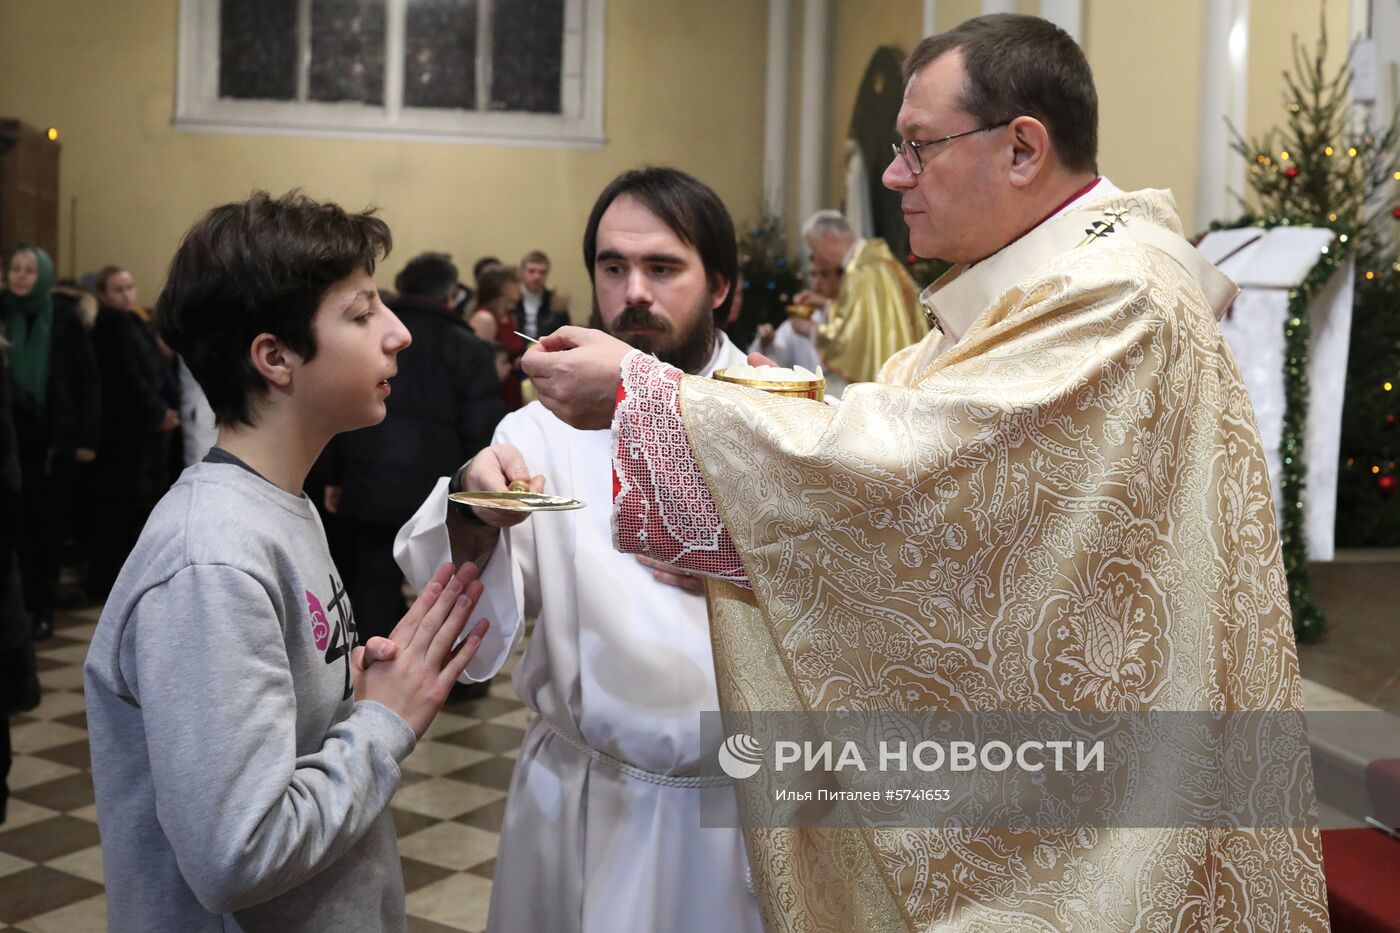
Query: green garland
[(1309, 622)]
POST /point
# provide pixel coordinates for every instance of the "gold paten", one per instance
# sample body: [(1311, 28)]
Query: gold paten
[(515, 500)]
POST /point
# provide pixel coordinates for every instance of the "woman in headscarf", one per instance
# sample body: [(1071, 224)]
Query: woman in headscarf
[(54, 393)]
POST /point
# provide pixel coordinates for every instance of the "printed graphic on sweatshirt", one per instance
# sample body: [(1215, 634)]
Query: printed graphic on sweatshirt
[(335, 638)]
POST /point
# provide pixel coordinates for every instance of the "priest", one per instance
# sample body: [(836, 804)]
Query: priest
[(874, 312), (863, 307), (1056, 501)]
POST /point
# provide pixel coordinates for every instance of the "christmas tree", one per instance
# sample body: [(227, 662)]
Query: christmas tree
[(1329, 166), (769, 279), (1326, 165)]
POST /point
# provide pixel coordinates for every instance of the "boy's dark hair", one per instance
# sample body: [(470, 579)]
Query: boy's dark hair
[(690, 208), (1024, 65), (252, 267), (428, 275)]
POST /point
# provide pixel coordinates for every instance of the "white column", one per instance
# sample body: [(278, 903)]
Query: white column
[(812, 139), (775, 109), (1224, 84), (1380, 24), (1067, 14), (395, 33), (930, 17), (303, 50), (1378, 27), (998, 6)]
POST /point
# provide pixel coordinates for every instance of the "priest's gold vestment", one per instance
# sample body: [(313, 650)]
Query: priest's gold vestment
[(1061, 503)]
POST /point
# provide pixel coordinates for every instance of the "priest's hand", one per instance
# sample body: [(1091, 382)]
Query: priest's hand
[(493, 470), (758, 359), (805, 326), (672, 575), (576, 370)]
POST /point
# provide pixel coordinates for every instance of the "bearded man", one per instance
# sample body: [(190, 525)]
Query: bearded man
[(602, 829)]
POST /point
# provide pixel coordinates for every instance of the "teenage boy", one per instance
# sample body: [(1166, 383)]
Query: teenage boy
[(243, 755)]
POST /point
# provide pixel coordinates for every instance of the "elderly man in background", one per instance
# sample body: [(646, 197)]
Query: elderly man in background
[(866, 307)]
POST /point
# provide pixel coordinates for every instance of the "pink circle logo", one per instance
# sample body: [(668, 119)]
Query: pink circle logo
[(320, 627)]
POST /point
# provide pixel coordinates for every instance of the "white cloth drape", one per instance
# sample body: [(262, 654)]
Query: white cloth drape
[(1266, 267)]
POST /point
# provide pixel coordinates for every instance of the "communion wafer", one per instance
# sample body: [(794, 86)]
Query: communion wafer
[(774, 373)]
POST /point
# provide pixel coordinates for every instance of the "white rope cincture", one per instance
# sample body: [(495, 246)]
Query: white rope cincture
[(665, 780)]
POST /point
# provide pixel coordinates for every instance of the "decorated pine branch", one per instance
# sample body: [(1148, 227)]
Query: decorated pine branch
[(1327, 165)]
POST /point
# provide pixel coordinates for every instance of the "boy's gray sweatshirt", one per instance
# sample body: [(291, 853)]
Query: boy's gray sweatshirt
[(239, 785)]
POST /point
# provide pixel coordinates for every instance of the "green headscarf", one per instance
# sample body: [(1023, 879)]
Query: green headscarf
[(29, 324)]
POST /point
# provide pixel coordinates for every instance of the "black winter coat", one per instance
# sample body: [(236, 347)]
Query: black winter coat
[(19, 683), (138, 386), (550, 318)]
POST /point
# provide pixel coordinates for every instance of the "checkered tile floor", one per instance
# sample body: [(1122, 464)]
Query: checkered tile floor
[(448, 808)]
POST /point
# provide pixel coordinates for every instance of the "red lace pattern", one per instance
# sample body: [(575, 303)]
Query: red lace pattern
[(661, 505)]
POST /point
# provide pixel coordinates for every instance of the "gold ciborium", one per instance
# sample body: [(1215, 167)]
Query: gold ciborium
[(804, 388)]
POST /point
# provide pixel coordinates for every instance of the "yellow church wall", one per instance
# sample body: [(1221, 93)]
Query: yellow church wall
[(1146, 58), (793, 200), (948, 13), (680, 90)]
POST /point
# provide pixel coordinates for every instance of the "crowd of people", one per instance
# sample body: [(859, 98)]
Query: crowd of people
[(106, 416)]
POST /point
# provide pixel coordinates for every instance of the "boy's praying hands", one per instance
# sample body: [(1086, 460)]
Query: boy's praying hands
[(424, 649)]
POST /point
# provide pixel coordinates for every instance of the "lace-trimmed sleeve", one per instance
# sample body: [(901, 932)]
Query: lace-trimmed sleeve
[(661, 505)]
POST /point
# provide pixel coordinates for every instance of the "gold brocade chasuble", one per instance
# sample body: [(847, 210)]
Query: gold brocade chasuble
[(875, 315), (1059, 504)]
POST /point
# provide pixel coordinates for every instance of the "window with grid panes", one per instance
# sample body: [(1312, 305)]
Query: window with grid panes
[(526, 71)]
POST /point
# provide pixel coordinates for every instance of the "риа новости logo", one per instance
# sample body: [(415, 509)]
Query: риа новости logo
[(740, 756)]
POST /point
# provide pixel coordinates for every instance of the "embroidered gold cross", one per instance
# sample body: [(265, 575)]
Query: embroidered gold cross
[(1102, 228)]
